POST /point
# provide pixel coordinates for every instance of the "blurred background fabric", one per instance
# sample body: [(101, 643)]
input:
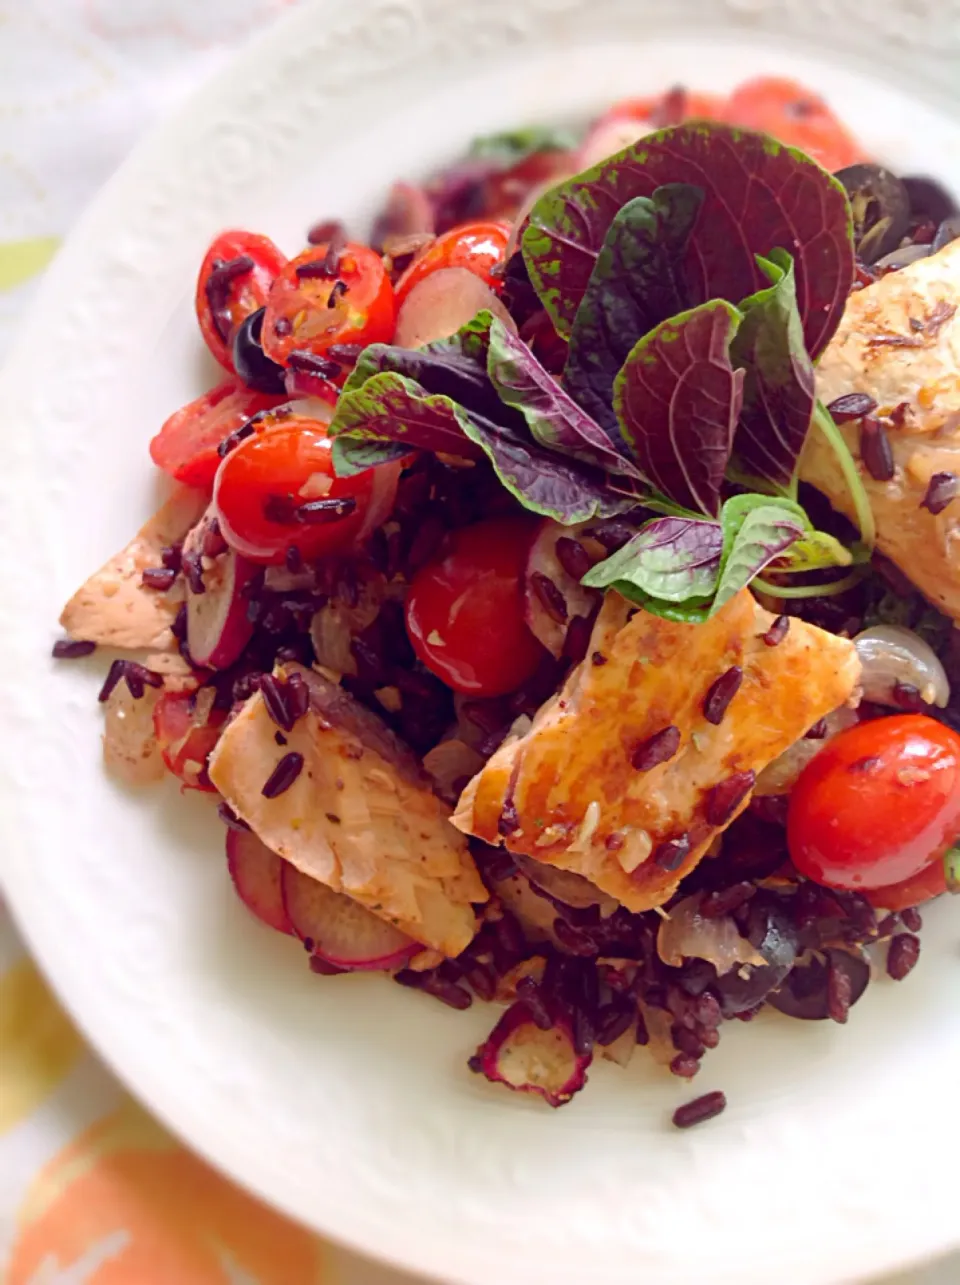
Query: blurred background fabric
[(92, 1191)]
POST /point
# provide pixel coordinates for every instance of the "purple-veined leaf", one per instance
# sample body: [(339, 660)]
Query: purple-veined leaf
[(779, 387), (758, 195), (637, 282), (671, 567), (678, 399), (554, 419)]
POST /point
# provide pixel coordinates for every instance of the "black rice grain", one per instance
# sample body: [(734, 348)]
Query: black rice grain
[(685, 1066), (943, 488), (670, 854), (138, 678), (573, 557), (217, 290), (720, 694), (573, 940), (446, 991), (283, 775), (656, 749), (577, 639), (318, 512), (912, 919), (724, 799), (851, 406), (699, 1110), (193, 570), (612, 1021), (876, 451), (160, 578), (777, 631), (727, 900), (230, 819), (72, 649), (310, 363), (550, 597), (179, 626), (532, 995), (839, 993), (902, 955)]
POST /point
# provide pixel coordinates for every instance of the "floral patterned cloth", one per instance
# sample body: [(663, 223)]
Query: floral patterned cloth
[(92, 1191)]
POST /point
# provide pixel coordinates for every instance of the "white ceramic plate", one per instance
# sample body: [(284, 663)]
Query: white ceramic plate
[(348, 1104)]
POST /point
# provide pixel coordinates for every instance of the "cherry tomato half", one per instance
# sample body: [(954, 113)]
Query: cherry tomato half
[(184, 742), (795, 116), (465, 611), (478, 247), (235, 276), (878, 804), (277, 489), (186, 446), (671, 108), (310, 308), (931, 882)]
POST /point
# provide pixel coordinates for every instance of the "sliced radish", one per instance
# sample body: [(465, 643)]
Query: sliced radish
[(339, 929), (553, 596), (256, 873), (218, 626), (520, 1055), (382, 496), (609, 136)]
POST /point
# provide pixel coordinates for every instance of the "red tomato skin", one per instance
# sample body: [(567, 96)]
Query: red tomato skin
[(796, 116), (878, 804), (929, 883), (277, 461), (186, 446), (671, 108), (465, 610), (299, 315), (247, 293), (183, 741), (478, 247)]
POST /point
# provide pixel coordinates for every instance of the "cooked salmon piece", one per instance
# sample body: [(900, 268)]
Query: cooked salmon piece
[(360, 817), (113, 608), (899, 342), (623, 777)]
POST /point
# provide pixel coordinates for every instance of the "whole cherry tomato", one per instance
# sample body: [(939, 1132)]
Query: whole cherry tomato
[(878, 804), (930, 882), (186, 446), (322, 298), (795, 116), (277, 490), (465, 610), (478, 247), (236, 273)]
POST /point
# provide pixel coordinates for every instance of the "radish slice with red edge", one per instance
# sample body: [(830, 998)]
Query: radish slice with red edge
[(339, 929), (552, 596), (218, 626), (520, 1055), (257, 872)]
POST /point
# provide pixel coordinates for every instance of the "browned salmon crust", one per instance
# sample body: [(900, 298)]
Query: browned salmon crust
[(361, 816), (570, 792), (899, 342)]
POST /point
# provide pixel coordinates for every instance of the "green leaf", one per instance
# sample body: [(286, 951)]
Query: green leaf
[(778, 391), (514, 146), (756, 530), (670, 560), (814, 551), (635, 284), (951, 870)]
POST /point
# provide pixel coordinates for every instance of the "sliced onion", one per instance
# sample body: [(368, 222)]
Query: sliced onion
[(891, 654), (520, 1055), (448, 763), (780, 776), (130, 747), (687, 935), (574, 600), (443, 302), (565, 886)]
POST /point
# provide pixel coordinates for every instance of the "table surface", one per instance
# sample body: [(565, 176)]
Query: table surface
[(93, 1191)]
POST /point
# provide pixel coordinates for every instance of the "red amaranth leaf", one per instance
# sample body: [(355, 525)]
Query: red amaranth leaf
[(758, 196), (678, 399)]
